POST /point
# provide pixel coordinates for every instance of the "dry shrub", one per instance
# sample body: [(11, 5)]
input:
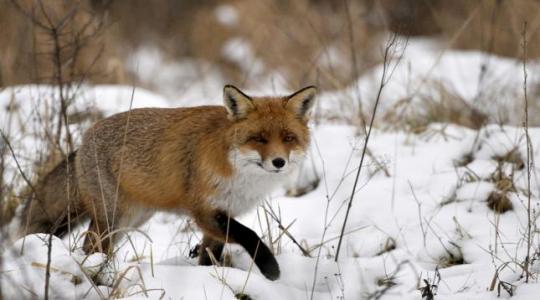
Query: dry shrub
[(451, 259), (385, 281), (167, 24), (495, 26), (8, 206), (242, 296), (503, 182), (389, 245), (512, 157), (441, 105), (28, 48), (464, 160), (499, 202), (311, 43), (306, 41), (413, 17)]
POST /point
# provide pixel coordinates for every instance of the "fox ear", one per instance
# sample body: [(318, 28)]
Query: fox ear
[(238, 104), (302, 101)]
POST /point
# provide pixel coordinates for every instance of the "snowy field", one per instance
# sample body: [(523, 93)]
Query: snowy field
[(441, 212)]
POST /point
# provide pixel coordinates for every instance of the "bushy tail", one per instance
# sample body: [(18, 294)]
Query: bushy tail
[(54, 204)]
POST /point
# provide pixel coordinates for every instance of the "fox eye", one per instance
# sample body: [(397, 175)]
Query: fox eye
[(258, 139), (289, 138)]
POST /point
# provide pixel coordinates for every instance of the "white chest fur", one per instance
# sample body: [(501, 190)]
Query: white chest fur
[(244, 192), (249, 185)]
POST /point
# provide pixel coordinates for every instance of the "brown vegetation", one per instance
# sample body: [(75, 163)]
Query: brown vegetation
[(32, 32), (327, 42), (438, 105), (490, 25), (499, 202), (295, 37)]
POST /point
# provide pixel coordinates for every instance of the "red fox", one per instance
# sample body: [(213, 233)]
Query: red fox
[(212, 163)]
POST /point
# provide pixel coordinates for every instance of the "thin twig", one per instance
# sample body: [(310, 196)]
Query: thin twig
[(529, 151), (271, 212), (25, 178), (19, 168), (48, 269), (124, 140), (384, 80), (354, 69)]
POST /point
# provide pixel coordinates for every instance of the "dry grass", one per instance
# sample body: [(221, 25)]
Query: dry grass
[(499, 202), (495, 25), (305, 41), (300, 40), (438, 105), (311, 42), (28, 52), (389, 245)]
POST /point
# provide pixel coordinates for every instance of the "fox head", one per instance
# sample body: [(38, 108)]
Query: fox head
[(270, 134)]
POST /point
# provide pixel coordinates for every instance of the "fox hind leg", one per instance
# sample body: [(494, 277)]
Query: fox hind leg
[(108, 226), (98, 237), (103, 224)]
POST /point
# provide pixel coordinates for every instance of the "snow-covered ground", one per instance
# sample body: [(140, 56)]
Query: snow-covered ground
[(420, 221)]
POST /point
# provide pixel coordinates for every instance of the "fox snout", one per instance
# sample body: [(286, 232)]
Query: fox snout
[(278, 162), (275, 164)]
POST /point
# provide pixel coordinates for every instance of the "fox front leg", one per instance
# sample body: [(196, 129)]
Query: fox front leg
[(247, 238), (225, 228)]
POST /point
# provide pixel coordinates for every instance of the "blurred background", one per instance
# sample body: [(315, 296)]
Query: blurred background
[(165, 45)]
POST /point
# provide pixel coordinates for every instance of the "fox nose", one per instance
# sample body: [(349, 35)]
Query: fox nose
[(278, 162)]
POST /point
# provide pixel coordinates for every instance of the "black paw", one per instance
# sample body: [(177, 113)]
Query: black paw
[(270, 270), (267, 263)]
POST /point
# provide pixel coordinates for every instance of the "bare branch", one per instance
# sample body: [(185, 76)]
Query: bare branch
[(385, 77), (529, 154)]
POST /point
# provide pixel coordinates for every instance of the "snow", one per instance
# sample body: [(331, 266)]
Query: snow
[(226, 15), (428, 220), (182, 81), (425, 66), (24, 275), (239, 51)]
